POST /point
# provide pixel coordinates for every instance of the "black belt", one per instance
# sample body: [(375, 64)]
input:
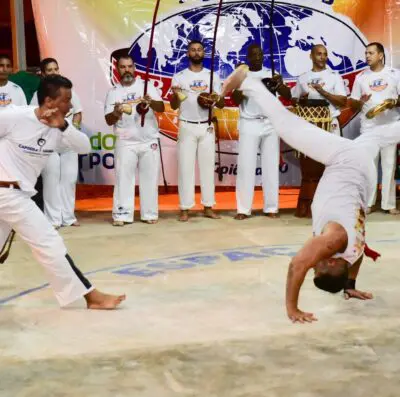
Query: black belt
[(194, 122), (10, 185)]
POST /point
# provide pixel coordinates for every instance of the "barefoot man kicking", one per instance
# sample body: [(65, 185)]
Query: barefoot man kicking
[(338, 244), (28, 136)]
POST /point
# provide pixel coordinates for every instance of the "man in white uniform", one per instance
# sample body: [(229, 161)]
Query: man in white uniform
[(257, 135), (10, 93), (136, 146), (371, 88), (322, 83), (61, 171), (196, 136), (336, 250), (317, 84), (28, 136)]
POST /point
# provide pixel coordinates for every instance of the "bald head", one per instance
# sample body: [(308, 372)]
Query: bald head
[(319, 57)]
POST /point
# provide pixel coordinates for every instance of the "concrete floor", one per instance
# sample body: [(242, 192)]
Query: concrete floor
[(204, 315)]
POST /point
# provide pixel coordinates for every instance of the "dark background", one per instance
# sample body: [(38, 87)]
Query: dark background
[(32, 47)]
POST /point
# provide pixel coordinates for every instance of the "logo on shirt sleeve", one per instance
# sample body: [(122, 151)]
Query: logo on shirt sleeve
[(378, 85)]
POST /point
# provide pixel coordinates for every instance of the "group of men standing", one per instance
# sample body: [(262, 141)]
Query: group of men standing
[(137, 146), (197, 136)]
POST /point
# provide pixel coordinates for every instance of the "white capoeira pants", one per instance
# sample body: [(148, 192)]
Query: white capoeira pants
[(257, 135), (196, 139), (128, 158), (328, 149), (20, 213), (59, 188), (388, 159)]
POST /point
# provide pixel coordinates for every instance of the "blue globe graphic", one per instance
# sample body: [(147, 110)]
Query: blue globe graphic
[(241, 24)]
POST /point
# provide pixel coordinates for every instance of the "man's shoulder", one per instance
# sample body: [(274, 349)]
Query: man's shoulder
[(18, 112), (392, 71), (15, 86), (181, 73), (304, 76)]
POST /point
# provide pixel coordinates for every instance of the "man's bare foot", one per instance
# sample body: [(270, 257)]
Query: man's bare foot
[(209, 213), (183, 216), (393, 211), (118, 223), (97, 300), (240, 217), (272, 215), (76, 224), (150, 221)]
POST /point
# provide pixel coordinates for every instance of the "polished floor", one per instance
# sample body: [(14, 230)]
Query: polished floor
[(204, 315)]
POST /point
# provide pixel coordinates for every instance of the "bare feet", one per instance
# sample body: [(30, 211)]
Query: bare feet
[(209, 213), (150, 221), (369, 210), (121, 223), (240, 217), (97, 300), (76, 224), (183, 216), (273, 215), (394, 211)]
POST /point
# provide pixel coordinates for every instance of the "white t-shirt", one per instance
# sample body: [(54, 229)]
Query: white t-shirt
[(75, 102), (128, 130), (342, 196), (11, 94), (328, 79), (193, 84), (26, 144), (381, 85), (249, 108)]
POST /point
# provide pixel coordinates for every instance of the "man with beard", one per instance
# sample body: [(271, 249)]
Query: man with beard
[(28, 136), (196, 136), (10, 93), (372, 87), (61, 172), (135, 147), (256, 134)]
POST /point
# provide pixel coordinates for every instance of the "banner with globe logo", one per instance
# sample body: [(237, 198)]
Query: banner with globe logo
[(87, 37)]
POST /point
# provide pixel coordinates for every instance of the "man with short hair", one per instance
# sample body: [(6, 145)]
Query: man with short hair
[(10, 93), (324, 85), (371, 88), (196, 137), (61, 171), (28, 136), (336, 250), (136, 147), (256, 134)]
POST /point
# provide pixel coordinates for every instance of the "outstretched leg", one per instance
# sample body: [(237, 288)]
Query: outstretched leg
[(295, 131), (19, 212)]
